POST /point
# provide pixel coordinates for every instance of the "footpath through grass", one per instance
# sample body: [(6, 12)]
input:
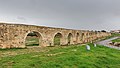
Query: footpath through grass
[(108, 37), (65, 57), (116, 40)]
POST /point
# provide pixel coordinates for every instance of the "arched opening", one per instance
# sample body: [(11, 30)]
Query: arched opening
[(88, 37), (82, 37), (91, 36), (33, 39), (57, 39), (70, 38), (77, 38)]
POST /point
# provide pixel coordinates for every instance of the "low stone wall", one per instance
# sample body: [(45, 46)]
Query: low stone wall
[(115, 44)]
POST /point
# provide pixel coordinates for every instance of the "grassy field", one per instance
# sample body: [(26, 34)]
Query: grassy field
[(116, 40), (32, 41), (57, 40), (115, 34), (104, 38), (63, 57), (74, 56)]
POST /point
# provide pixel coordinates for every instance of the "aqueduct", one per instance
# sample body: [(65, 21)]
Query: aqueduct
[(13, 35)]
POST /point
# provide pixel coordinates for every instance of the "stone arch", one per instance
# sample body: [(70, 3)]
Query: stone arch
[(77, 38), (57, 38), (82, 37), (86, 36), (70, 38), (92, 35), (38, 35)]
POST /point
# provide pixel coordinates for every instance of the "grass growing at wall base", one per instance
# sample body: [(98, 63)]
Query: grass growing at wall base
[(57, 40), (116, 40), (73, 56), (32, 41), (107, 37)]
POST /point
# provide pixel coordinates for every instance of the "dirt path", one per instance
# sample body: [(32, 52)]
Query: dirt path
[(106, 43), (13, 52), (30, 49)]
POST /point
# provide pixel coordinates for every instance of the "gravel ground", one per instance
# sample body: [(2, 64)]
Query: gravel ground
[(106, 43)]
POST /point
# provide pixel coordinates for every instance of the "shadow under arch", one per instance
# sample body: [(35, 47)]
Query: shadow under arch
[(77, 38), (82, 37), (33, 38), (70, 38), (87, 37), (57, 38)]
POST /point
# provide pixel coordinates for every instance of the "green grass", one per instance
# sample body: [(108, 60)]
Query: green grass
[(60, 56), (57, 40), (65, 57), (32, 41), (107, 37), (116, 34), (116, 40)]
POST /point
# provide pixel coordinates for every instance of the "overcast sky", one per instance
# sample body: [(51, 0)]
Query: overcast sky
[(73, 14)]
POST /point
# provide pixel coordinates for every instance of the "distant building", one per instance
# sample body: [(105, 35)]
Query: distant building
[(115, 31)]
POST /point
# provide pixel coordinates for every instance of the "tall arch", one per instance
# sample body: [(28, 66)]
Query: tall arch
[(88, 37), (58, 39), (82, 37), (78, 38), (70, 38), (85, 37), (33, 38)]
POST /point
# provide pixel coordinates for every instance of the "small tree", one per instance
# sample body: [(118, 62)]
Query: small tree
[(103, 31)]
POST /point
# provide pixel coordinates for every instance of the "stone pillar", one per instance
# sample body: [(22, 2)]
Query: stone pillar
[(64, 41)]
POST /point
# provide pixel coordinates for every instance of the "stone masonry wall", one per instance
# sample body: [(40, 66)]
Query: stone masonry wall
[(14, 35)]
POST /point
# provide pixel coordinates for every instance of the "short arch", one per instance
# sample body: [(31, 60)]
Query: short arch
[(33, 38), (70, 38), (58, 39)]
